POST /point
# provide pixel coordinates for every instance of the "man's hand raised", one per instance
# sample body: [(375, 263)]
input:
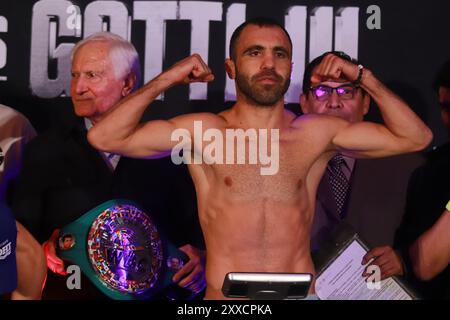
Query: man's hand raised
[(332, 67), (189, 70)]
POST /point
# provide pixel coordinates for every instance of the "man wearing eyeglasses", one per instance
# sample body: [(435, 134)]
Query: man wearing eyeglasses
[(366, 194)]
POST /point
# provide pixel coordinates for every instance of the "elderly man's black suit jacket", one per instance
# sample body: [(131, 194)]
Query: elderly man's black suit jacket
[(63, 177)]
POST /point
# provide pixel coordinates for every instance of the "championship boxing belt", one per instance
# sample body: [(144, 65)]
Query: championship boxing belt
[(118, 247)]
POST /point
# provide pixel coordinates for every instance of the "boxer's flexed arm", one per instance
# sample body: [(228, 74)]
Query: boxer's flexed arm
[(120, 131), (403, 131)]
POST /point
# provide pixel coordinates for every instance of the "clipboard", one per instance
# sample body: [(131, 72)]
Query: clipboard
[(339, 272)]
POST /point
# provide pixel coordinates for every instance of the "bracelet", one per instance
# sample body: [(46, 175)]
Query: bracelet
[(360, 74), (447, 207)]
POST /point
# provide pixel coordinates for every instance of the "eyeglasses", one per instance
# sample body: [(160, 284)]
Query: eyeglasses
[(323, 92)]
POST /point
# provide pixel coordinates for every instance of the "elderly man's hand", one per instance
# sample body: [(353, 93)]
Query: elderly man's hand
[(192, 275), (387, 259), (54, 263)]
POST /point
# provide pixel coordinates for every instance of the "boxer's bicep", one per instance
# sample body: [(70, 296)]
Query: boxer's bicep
[(368, 140), (159, 138)]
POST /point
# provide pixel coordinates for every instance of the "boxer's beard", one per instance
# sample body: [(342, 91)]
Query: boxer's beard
[(264, 95)]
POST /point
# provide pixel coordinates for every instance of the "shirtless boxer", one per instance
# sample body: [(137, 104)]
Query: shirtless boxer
[(253, 222)]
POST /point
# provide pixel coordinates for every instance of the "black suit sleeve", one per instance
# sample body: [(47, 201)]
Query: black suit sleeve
[(27, 200)]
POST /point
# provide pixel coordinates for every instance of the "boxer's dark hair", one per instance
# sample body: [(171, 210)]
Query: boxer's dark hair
[(260, 22)]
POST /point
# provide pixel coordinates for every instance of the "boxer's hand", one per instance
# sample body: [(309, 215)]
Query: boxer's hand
[(333, 67), (192, 275), (54, 263), (189, 70), (387, 259)]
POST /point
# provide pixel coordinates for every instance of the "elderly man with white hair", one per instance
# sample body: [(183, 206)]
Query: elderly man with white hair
[(64, 177)]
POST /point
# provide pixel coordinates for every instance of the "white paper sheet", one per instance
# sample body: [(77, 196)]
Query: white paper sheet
[(342, 280)]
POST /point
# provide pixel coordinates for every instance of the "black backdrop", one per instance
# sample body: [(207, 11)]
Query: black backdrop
[(405, 52)]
